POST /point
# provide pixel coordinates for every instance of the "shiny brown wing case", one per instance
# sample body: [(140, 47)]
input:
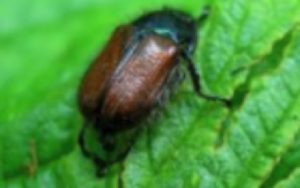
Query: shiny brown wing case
[(139, 80), (98, 74)]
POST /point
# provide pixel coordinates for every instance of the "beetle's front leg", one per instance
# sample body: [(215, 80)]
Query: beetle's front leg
[(195, 77)]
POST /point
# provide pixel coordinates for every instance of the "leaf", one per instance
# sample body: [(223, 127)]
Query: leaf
[(45, 46), (286, 167), (66, 171), (170, 154), (248, 51), (239, 33), (292, 181), (260, 131)]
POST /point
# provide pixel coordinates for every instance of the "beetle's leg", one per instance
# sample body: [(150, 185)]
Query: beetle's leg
[(84, 151), (149, 145), (204, 15), (195, 77), (97, 161)]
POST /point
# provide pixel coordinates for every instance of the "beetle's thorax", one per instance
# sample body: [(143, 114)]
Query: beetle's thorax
[(176, 26)]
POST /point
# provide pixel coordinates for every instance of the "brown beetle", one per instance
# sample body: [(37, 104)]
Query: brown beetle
[(130, 75)]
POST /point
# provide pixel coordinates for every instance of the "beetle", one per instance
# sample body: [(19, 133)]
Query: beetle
[(131, 74)]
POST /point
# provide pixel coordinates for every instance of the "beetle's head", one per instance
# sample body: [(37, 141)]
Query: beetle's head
[(173, 24)]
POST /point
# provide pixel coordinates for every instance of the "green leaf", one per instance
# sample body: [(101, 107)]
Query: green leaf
[(292, 181), (260, 131), (286, 166), (240, 32), (171, 157), (45, 46), (248, 51), (68, 171)]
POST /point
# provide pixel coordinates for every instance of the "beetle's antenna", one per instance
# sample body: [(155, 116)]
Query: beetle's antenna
[(195, 77), (204, 15)]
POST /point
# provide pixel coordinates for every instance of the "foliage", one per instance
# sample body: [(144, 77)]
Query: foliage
[(249, 52)]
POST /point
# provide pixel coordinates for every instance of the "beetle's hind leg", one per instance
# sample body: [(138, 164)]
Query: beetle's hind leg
[(195, 77), (81, 142), (100, 164)]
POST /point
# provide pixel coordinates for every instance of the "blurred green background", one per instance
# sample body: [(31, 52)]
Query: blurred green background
[(248, 51)]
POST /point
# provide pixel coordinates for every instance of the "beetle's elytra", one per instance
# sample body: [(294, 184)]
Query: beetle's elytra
[(127, 79)]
